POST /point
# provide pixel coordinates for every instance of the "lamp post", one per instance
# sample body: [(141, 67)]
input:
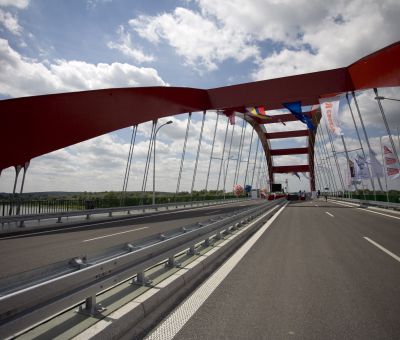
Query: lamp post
[(154, 160)]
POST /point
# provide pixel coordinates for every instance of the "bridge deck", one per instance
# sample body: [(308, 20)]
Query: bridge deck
[(311, 275)]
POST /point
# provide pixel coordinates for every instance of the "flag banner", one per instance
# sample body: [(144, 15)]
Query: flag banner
[(330, 108), (363, 170), (376, 166), (305, 175), (392, 165), (354, 170), (295, 110), (297, 175), (258, 111)]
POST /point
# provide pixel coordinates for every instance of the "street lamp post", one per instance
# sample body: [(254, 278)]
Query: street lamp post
[(154, 160)]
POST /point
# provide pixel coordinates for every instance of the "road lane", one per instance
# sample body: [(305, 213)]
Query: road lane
[(310, 276), (22, 253)]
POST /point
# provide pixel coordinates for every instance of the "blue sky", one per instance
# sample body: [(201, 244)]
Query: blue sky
[(61, 46)]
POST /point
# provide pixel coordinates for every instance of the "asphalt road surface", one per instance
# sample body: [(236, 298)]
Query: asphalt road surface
[(21, 253), (320, 271)]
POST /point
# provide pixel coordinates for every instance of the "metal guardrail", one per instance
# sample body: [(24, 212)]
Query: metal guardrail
[(59, 215), (22, 308), (390, 205)]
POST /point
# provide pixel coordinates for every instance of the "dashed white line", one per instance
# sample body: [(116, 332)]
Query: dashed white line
[(175, 321), (110, 235), (383, 249), (329, 214)]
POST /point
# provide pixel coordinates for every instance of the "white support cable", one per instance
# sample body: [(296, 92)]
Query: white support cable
[(223, 154), (183, 153), (198, 152), (361, 146), (211, 155), (148, 160), (255, 161), (248, 158), (335, 158), (365, 132)]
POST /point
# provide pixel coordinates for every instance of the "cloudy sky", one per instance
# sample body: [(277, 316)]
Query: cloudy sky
[(60, 46)]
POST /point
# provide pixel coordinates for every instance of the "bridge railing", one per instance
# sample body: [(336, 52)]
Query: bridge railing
[(87, 213), (24, 206), (24, 306)]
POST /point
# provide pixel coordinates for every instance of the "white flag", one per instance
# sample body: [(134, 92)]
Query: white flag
[(376, 166), (330, 108), (392, 165), (363, 171)]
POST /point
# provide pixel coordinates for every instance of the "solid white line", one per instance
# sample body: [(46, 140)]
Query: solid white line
[(122, 232), (368, 210), (178, 318), (383, 249), (329, 214), (375, 212), (316, 205)]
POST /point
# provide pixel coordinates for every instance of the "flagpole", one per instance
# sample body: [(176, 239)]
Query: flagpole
[(385, 170), (386, 124), (328, 165), (348, 159), (365, 132), (362, 148), (336, 160)]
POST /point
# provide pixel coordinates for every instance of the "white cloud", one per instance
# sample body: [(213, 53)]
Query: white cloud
[(10, 22), (31, 77), (16, 3), (331, 42), (126, 47), (202, 41)]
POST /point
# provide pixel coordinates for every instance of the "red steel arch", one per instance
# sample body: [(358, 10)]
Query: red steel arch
[(33, 126)]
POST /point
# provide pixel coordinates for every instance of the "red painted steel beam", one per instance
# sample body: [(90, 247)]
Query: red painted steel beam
[(291, 151), (33, 126), (287, 134), (280, 118), (290, 168)]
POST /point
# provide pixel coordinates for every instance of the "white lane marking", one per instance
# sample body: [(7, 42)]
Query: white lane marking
[(383, 249), (375, 212), (316, 205), (114, 221), (110, 235), (178, 318), (363, 209), (329, 214), (345, 204)]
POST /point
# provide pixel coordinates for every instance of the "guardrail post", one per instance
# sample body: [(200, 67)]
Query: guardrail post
[(110, 214), (59, 219), (171, 263), (192, 251), (142, 279), (87, 216), (21, 224), (206, 242), (91, 307)]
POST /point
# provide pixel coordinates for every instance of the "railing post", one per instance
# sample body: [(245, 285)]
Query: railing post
[(91, 307)]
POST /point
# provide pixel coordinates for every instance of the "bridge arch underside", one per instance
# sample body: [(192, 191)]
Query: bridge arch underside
[(33, 126)]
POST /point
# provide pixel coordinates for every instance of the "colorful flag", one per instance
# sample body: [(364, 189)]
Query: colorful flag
[(258, 111), (330, 108), (392, 165), (295, 110)]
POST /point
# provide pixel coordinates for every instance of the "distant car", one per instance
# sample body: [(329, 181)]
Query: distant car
[(293, 197)]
